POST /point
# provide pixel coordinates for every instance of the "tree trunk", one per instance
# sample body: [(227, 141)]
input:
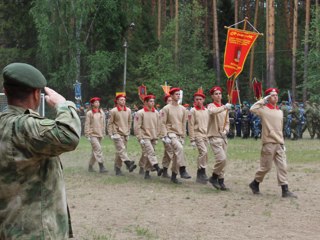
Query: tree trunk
[(206, 24), (288, 15), (171, 10), (164, 14), (215, 40), (236, 11), (159, 20), (294, 49), (153, 7), (176, 37), (270, 44), (306, 50), (255, 23)]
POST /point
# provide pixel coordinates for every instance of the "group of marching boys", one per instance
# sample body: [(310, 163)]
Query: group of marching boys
[(207, 126)]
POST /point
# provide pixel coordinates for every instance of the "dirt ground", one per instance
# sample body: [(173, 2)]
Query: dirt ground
[(104, 206)]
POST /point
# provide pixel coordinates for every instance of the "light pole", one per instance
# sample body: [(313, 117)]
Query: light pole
[(125, 46)]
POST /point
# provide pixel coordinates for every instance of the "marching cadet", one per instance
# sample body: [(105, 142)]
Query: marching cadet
[(218, 129), (94, 130), (32, 190), (273, 149), (119, 125), (147, 129), (198, 123), (168, 151), (173, 132)]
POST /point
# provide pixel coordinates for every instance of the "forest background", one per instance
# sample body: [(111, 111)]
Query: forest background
[(178, 42)]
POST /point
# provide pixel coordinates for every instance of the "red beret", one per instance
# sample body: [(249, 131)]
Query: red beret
[(216, 88), (271, 90), (148, 97), (92, 100), (173, 90), (199, 95), (119, 96), (165, 98)]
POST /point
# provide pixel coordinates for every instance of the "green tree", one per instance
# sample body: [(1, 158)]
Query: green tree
[(192, 71)]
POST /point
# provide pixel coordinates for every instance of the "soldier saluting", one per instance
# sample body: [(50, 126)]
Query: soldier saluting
[(32, 191), (273, 149)]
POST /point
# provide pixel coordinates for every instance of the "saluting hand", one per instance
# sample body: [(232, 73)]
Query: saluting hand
[(53, 98)]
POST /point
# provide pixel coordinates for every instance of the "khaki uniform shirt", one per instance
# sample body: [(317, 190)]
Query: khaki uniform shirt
[(119, 121), (147, 124), (217, 120), (95, 125), (32, 192), (173, 120), (271, 121), (198, 123)]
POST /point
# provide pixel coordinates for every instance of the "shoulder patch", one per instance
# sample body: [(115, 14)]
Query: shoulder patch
[(47, 122)]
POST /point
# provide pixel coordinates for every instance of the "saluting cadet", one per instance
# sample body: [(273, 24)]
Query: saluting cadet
[(218, 129), (273, 149), (173, 132), (198, 124), (32, 191), (119, 125), (168, 151), (95, 130), (147, 129)]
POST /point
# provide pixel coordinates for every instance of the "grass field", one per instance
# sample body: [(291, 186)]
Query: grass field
[(104, 206)]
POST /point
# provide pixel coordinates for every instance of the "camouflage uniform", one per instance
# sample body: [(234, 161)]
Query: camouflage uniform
[(245, 122), (232, 120), (284, 109), (32, 192), (309, 112), (295, 122)]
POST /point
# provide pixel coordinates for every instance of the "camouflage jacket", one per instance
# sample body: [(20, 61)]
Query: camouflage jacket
[(32, 192)]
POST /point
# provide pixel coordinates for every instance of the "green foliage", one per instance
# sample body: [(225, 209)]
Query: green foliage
[(190, 71), (101, 65), (313, 80)]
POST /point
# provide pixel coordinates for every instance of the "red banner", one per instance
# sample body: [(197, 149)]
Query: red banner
[(257, 88), (235, 97), (142, 92), (238, 45)]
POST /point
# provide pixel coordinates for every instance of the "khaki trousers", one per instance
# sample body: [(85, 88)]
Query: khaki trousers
[(167, 155), (96, 153), (203, 152), (149, 153), (219, 148), (121, 150), (178, 159), (143, 158), (273, 152)]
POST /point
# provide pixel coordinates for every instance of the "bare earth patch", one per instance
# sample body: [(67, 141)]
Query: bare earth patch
[(104, 206)]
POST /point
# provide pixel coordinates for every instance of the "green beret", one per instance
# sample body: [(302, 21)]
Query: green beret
[(24, 75)]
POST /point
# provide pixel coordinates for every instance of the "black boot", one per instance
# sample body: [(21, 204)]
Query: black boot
[(118, 171), (147, 175), (254, 185), (286, 193), (130, 165), (158, 169), (90, 169), (141, 171), (174, 178), (102, 169), (183, 173), (222, 186), (214, 181), (165, 173), (201, 176)]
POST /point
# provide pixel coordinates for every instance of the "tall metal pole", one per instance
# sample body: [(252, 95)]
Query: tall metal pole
[(125, 45)]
